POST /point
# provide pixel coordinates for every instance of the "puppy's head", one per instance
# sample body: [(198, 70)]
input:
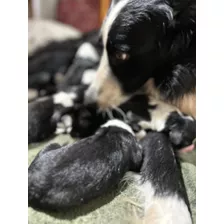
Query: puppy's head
[(131, 34)]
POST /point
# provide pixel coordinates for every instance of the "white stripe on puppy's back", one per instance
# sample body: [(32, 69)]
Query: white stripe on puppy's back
[(110, 19)]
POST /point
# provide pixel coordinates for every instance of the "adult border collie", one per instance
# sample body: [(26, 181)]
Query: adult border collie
[(149, 45)]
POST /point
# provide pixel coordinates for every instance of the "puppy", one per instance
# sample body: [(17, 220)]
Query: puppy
[(148, 45), (48, 65), (166, 118), (86, 120), (83, 68), (40, 124), (160, 183), (142, 115), (45, 115), (63, 177)]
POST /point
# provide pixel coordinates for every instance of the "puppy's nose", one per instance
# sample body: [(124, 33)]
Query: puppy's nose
[(90, 96)]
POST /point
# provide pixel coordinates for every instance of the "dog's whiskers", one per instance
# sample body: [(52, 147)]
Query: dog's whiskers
[(121, 112), (110, 114), (103, 113)]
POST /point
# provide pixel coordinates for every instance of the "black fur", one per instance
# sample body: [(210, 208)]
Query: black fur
[(160, 37), (74, 75), (44, 115), (57, 57), (63, 177), (40, 125), (160, 166), (181, 129), (87, 118)]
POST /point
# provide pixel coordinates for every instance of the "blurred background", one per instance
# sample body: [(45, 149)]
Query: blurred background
[(56, 30), (84, 15)]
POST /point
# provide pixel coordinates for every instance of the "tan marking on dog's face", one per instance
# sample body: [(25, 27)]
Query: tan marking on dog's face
[(151, 90), (111, 94), (105, 87), (187, 104)]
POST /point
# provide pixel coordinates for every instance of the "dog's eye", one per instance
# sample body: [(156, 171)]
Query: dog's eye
[(122, 56)]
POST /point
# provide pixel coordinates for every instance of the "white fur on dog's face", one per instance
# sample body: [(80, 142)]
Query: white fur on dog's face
[(105, 88), (123, 68), (138, 39)]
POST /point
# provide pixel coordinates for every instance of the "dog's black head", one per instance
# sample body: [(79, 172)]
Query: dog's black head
[(140, 39)]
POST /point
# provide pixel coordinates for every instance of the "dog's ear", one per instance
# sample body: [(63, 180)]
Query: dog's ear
[(182, 33)]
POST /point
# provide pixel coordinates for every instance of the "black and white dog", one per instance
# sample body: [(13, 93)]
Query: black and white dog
[(64, 112), (148, 48), (149, 45)]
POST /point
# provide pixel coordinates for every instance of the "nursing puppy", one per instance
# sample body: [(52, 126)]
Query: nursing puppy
[(160, 183), (62, 177), (148, 45), (46, 115), (142, 115)]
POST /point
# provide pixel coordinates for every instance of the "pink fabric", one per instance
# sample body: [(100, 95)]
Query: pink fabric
[(189, 148), (82, 14)]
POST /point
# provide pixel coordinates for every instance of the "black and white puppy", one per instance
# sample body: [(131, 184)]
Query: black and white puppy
[(83, 69), (148, 43), (160, 183), (48, 65), (166, 118), (50, 114), (40, 124), (142, 115), (62, 177)]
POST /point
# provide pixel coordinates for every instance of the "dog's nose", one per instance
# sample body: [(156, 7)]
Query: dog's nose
[(90, 96)]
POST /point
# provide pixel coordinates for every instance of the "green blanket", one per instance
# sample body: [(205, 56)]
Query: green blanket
[(114, 208)]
